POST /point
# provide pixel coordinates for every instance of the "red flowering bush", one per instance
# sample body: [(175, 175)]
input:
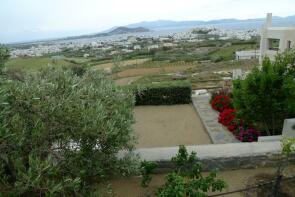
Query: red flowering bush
[(232, 127), (228, 119), (221, 102), (227, 116), (226, 92), (247, 134)]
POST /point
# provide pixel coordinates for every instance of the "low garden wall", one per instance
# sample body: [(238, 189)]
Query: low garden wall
[(220, 156)]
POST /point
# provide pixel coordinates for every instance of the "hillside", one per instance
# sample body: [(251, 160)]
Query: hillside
[(113, 31), (126, 30)]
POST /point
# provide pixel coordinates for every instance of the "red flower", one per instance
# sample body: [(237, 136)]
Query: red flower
[(247, 134), (227, 118), (221, 102), (232, 127)]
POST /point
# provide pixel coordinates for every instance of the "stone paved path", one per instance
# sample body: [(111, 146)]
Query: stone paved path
[(209, 117)]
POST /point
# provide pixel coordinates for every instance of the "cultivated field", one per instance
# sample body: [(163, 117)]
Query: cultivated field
[(121, 63), (144, 71)]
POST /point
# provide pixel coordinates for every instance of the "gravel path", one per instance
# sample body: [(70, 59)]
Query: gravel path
[(164, 126)]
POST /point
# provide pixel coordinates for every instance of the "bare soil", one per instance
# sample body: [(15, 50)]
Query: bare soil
[(126, 80), (236, 179), (286, 189), (164, 126)]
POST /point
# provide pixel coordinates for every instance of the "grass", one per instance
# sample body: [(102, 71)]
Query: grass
[(34, 63), (123, 63), (153, 78)]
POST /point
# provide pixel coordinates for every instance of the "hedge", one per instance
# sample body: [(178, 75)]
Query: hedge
[(163, 93)]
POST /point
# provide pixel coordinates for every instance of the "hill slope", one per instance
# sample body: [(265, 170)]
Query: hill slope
[(125, 30)]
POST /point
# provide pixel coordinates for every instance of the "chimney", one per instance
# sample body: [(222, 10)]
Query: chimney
[(269, 20)]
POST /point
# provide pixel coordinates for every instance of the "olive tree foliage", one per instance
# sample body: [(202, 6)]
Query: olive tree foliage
[(60, 133), (267, 96), (4, 55)]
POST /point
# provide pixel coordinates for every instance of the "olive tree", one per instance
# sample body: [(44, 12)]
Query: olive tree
[(267, 96), (60, 133), (4, 55)]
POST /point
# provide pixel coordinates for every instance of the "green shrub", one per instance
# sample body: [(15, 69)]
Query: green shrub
[(188, 180), (163, 93), (146, 169), (79, 70), (267, 96), (60, 133)]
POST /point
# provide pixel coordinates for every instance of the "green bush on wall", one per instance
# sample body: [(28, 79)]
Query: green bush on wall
[(163, 93)]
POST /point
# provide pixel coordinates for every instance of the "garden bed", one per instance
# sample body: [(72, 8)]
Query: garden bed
[(164, 126)]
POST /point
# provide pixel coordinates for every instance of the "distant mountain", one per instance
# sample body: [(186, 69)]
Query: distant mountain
[(169, 25), (126, 30), (111, 32), (247, 23)]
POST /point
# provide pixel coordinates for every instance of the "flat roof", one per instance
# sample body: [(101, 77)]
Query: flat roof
[(246, 53), (281, 28)]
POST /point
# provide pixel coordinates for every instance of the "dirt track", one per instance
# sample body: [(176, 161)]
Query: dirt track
[(161, 126)]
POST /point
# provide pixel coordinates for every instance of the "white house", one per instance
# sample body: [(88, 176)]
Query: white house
[(245, 55), (275, 39), (137, 47), (155, 46)]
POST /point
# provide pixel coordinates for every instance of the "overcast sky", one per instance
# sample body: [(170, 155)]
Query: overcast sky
[(35, 19)]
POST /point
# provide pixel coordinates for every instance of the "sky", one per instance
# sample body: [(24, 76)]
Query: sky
[(22, 20)]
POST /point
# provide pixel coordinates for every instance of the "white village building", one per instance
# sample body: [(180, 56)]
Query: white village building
[(245, 55), (275, 39)]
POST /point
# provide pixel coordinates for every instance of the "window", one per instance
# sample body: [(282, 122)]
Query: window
[(289, 44), (274, 44)]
